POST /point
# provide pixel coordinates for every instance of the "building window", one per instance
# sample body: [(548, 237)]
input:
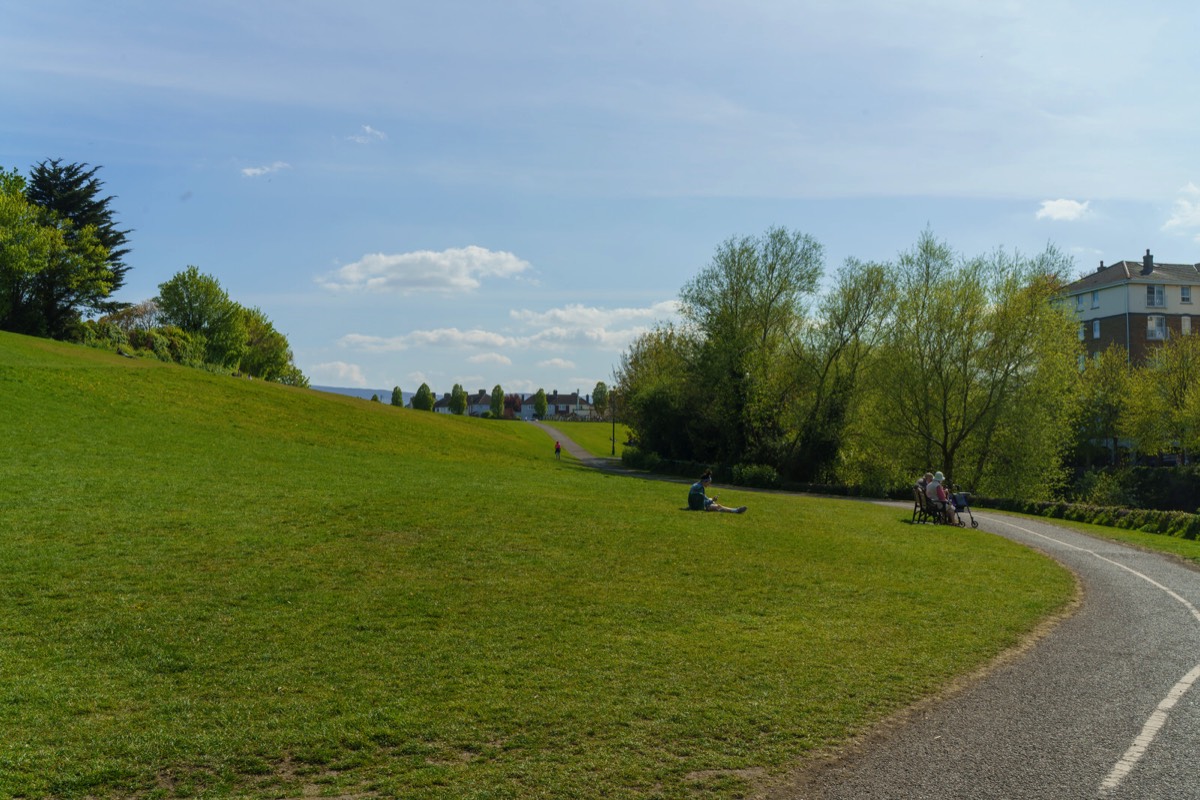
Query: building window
[(1185, 325), (1095, 329), (1082, 331), (1185, 294), (1156, 327), (1096, 299), (1156, 297), (1079, 302)]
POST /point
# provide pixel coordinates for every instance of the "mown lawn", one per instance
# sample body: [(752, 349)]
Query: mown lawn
[(214, 587)]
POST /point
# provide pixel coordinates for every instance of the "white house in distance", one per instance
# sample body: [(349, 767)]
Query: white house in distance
[(1136, 306), (516, 406)]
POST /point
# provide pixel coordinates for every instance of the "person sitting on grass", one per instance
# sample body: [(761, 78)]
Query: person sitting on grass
[(698, 500)]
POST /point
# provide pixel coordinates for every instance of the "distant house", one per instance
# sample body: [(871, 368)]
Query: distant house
[(1136, 306), (442, 404), (479, 403), (568, 406), (517, 407)]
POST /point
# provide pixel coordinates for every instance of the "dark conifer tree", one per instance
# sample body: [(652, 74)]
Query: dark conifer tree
[(72, 191)]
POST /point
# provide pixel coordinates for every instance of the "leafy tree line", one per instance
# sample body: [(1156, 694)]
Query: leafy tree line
[(62, 258), (424, 400), (934, 361), (1141, 412)]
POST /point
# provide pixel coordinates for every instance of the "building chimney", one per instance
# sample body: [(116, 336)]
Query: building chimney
[(1101, 267), (1147, 263)]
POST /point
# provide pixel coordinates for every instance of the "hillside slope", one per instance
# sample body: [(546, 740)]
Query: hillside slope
[(220, 587)]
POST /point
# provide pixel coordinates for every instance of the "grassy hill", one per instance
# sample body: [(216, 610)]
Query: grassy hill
[(217, 587)]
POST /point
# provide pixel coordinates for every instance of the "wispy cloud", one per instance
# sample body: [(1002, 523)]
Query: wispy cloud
[(368, 136), (440, 337), (1185, 216), (255, 172), (454, 270), (557, 363), (559, 329), (1064, 210), (490, 358), (337, 373)]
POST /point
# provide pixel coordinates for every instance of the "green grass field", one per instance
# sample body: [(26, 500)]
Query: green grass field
[(214, 587)]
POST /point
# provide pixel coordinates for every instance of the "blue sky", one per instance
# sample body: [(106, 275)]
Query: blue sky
[(483, 193)]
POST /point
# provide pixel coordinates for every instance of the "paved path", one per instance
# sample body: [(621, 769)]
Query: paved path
[(1102, 707)]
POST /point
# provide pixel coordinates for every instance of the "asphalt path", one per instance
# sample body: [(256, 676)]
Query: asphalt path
[(1102, 706)]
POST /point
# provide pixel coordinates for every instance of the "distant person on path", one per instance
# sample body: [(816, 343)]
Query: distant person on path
[(558, 450), (698, 500)]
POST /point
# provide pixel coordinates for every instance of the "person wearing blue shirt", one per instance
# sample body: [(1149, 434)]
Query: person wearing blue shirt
[(698, 499)]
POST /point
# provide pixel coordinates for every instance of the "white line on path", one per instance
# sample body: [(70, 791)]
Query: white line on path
[(1159, 717)]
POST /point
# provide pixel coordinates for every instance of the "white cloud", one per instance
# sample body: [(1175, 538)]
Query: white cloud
[(1185, 217), (580, 316), (490, 358), (454, 270), (440, 337), (337, 373), (254, 172), (557, 363), (1064, 210), (368, 136)]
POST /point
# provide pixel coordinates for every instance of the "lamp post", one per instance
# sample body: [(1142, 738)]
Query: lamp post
[(612, 410)]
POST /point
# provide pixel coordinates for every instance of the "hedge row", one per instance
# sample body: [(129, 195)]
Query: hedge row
[(1170, 523)]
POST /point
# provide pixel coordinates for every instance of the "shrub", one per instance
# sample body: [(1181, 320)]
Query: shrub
[(761, 476)]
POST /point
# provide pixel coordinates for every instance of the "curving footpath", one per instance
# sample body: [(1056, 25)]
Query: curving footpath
[(1102, 707)]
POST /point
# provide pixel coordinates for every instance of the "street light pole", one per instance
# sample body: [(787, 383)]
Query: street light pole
[(612, 410)]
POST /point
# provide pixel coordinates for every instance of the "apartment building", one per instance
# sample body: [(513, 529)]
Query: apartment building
[(1137, 306)]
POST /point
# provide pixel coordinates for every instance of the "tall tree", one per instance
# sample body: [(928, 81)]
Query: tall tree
[(1163, 415), (660, 398), (827, 359), (50, 270), (744, 307), (977, 373), (600, 398), (458, 400), (497, 406), (1105, 394), (196, 303), (423, 398), (267, 354), (73, 192), (397, 396), (540, 404)]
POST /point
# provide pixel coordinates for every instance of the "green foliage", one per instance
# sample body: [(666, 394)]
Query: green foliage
[(977, 374), (267, 354), (397, 396), (743, 310), (540, 404), (600, 398), (458, 400), (72, 192), (51, 271), (761, 476), (497, 405), (196, 303), (423, 398)]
